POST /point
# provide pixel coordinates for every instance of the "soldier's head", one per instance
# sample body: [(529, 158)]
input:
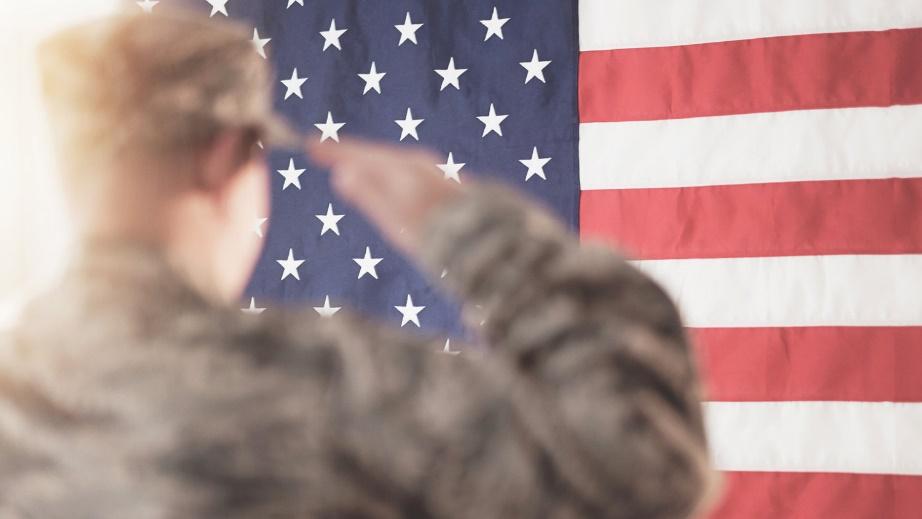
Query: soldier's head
[(158, 121)]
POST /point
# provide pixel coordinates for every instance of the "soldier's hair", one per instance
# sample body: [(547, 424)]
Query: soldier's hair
[(148, 86)]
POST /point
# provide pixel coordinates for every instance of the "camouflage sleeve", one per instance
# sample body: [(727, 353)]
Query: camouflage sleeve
[(587, 403)]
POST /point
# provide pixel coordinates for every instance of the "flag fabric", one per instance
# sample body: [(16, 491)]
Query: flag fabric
[(491, 88), (760, 159)]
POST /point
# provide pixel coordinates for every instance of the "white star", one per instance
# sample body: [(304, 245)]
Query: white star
[(292, 175), (491, 122), (372, 79), (408, 30), (535, 68), (367, 264), (535, 164), (293, 2), (294, 84), (218, 6), (258, 226), (252, 309), (330, 221), (408, 125), (147, 5), (451, 168), (260, 43), (290, 266), (450, 75), (330, 128), (410, 312), (326, 310), (494, 25), (331, 36), (447, 349)]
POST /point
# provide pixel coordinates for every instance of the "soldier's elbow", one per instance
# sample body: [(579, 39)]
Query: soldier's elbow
[(672, 479), (688, 488)]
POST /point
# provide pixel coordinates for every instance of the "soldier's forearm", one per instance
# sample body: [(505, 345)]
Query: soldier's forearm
[(602, 341), (532, 279)]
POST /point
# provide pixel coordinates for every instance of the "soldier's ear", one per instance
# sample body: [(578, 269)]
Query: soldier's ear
[(226, 156)]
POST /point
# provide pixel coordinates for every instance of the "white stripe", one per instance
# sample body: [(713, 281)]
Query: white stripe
[(617, 24), (794, 290), (857, 437), (846, 143)]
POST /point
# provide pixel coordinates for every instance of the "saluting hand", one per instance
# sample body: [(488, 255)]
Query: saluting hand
[(397, 189)]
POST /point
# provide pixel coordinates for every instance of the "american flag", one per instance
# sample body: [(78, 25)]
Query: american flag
[(760, 159)]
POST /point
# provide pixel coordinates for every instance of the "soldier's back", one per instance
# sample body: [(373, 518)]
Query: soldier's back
[(124, 393)]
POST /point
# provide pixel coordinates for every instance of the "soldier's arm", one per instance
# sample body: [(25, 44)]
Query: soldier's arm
[(587, 401)]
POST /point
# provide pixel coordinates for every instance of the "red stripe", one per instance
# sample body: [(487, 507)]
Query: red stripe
[(790, 495), (760, 75), (750, 220), (872, 364)]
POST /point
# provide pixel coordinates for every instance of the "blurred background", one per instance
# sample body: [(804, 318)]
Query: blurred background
[(34, 232)]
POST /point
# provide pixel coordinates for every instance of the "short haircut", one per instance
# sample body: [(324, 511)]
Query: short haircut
[(150, 86)]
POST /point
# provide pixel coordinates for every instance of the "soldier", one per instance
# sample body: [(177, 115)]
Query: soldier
[(136, 388)]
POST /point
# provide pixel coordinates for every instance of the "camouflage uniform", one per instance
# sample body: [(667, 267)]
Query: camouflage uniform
[(123, 393)]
